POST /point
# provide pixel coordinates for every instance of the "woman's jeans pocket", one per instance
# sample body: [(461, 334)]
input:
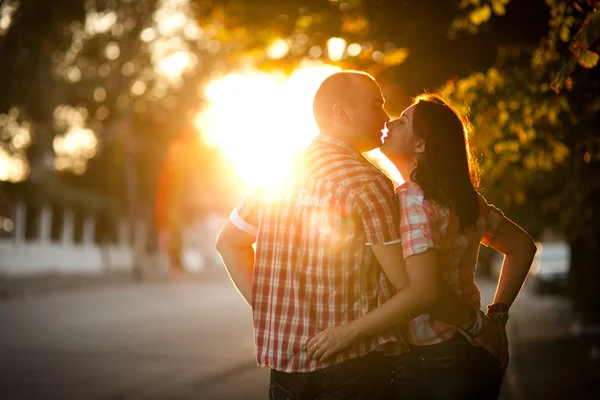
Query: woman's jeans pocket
[(453, 369), (486, 373), (446, 373)]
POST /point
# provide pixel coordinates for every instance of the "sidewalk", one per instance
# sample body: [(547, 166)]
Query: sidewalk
[(552, 355), (11, 288)]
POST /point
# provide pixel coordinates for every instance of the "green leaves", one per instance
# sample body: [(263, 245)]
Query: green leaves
[(476, 14), (588, 59), (563, 74), (480, 15), (498, 6)]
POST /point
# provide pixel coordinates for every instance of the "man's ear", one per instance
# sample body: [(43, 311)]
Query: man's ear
[(340, 113)]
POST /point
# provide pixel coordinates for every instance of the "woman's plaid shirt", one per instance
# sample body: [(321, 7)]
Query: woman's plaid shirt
[(427, 225), (313, 267)]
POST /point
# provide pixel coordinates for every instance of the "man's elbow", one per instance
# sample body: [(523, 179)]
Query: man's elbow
[(222, 244)]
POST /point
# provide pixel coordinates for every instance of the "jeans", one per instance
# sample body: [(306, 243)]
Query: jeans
[(453, 369), (366, 377)]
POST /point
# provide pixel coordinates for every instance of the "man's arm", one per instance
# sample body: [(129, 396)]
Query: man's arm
[(235, 248)]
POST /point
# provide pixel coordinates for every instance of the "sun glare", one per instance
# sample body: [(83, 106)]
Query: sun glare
[(260, 120)]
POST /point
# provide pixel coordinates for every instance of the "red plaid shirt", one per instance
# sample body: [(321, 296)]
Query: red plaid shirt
[(313, 267), (427, 225)]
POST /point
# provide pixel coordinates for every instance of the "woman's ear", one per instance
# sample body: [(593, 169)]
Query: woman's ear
[(420, 146)]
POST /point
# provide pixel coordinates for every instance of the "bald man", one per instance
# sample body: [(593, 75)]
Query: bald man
[(316, 264)]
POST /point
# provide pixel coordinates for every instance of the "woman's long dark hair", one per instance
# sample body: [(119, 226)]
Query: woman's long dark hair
[(446, 171)]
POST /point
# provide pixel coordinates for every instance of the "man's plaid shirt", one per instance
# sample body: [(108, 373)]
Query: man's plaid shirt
[(427, 225), (313, 267)]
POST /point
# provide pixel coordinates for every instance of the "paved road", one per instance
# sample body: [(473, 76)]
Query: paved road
[(193, 340), (154, 341)]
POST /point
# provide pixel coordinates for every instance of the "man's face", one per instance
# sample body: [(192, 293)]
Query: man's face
[(401, 142), (368, 117)]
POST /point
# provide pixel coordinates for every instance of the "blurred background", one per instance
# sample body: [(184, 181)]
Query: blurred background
[(130, 129)]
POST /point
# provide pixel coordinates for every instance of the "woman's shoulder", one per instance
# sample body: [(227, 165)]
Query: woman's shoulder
[(487, 208), (411, 194), (410, 188)]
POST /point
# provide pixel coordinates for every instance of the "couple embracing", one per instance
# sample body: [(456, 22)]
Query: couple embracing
[(361, 291)]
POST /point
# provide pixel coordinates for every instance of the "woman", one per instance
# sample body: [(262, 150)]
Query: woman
[(443, 221)]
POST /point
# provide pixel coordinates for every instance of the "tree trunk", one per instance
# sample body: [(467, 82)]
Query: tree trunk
[(584, 278)]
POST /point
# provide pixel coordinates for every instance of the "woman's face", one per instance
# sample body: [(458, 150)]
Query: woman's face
[(401, 142)]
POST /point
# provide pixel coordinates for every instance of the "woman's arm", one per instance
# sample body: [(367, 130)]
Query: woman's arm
[(519, 250), (424, 290)]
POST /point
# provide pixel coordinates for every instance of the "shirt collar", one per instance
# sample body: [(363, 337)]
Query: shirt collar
[(328, 140)]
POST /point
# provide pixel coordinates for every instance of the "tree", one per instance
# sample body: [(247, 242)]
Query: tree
[(539, 149)]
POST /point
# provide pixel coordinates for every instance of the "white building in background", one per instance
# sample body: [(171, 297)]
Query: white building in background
[(43, 256)]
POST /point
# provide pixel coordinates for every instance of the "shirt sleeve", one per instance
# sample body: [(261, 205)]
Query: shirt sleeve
[(245, 215), (417, 223), (377, 208), (493, 218)]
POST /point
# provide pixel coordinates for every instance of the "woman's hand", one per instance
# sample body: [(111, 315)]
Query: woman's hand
[(493, 339), (330, 341)]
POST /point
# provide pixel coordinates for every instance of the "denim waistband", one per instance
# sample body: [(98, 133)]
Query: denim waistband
[(456, 342)]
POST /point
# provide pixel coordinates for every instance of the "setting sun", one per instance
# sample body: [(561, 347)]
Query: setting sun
[(260, 120)]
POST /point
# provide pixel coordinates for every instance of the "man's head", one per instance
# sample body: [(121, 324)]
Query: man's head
[(349, 105)]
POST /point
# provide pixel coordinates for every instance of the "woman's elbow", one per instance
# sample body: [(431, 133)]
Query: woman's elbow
[(527, 250), (531, 249), (524, 249)]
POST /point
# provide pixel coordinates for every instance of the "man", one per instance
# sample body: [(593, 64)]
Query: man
[(321, 245)]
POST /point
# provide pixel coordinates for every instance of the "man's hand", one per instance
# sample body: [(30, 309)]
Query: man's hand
[(330, 341), (493, 339)]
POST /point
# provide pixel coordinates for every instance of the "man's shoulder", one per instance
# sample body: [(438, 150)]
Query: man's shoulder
[(355, 175), (338, 164)]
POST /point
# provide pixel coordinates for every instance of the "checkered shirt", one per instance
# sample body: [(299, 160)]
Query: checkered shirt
[(313, 267), (425, 225)]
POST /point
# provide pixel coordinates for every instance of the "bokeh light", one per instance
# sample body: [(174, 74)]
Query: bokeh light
[(174, 65), (336, 48), (99, 22), (169, 40), (354, 49), (77, 144), (15, 138), (7, 11), (278, 49)]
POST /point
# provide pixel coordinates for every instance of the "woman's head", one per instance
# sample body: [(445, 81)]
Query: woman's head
[(433, 136)]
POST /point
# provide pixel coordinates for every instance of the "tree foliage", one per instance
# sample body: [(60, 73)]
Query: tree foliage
[(535, 123)]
